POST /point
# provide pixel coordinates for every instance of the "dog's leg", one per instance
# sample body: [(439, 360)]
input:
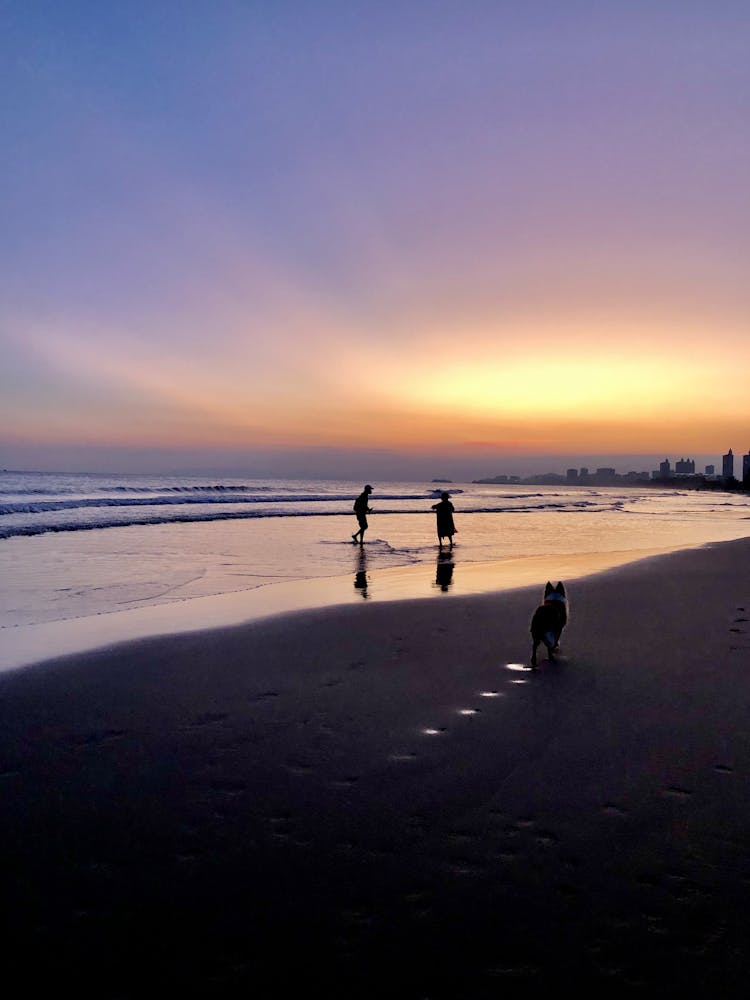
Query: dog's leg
[(534, 645)]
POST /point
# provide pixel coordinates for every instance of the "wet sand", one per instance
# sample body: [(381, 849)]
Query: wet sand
[(378, 800), (26, 644)]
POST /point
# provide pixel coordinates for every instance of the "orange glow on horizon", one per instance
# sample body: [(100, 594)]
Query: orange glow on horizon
[(533, 388)]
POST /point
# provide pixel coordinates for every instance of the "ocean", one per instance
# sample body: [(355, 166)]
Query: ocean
[(77, 546)]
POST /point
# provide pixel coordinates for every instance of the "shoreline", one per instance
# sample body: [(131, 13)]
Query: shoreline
[(27, 645), (380, 800)]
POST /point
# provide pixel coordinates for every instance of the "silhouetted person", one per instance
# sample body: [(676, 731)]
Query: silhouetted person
[(445, 526), (361, 509), (444, 572)]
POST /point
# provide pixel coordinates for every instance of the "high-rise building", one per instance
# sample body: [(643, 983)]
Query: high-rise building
[(572, 475), (605, 475), (727, 465), (710, 470), (685, 467), (745, 466), (665, 469)]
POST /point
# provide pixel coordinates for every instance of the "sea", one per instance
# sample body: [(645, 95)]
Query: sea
[(74, 548)]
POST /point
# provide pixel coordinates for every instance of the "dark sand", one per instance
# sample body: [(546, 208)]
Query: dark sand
[(259, 811)]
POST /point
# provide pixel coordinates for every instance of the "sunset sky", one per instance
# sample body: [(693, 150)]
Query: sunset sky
[(322, 238)]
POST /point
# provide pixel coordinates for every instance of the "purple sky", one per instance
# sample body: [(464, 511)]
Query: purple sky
[(284, 237)]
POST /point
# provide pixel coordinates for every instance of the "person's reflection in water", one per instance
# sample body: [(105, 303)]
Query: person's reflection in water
[(360, 577), (444, 571)]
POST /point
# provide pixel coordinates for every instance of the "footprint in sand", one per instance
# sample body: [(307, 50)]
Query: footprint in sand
[(459, 837), (345, 782), (298, 767), (95, 738), (723, 769), (187, 857), (360, 916), (676, 792), (464, 868), (519, 668), (609, 809), (512, 973), (417, 897), (347, 846), (675, 876), (229, 788), (223, 811), (264, 696), (546, 838), (279, 819), (207, 719), (281, 826)]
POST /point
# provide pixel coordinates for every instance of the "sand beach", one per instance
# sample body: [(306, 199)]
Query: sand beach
[(379, 800)]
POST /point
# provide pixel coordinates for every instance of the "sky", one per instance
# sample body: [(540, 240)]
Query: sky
[(356, 239)]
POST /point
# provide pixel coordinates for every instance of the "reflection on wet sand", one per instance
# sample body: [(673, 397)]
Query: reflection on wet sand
[(444, 571), (360, 575)]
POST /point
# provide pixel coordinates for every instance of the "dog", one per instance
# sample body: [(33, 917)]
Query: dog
[(549, 620)]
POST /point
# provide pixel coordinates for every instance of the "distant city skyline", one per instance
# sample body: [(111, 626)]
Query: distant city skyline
[(685, 468)]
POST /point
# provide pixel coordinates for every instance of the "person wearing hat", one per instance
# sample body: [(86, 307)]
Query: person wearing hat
[(362, 509)]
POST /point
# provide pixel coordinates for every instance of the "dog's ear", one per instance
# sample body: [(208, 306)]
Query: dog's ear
[(548, 588), (560, 588)]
